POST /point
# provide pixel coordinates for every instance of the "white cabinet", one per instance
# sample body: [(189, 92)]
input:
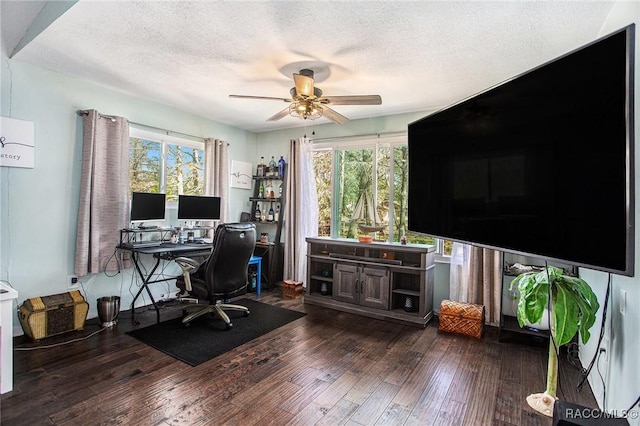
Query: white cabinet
[(7, 296)]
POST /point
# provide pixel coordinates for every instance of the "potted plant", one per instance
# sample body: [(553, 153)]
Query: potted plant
[(572, 308)]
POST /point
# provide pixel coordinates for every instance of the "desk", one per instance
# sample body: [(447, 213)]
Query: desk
[(165, 251)]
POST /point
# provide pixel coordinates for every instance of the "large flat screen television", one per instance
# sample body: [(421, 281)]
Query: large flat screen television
[(147, 206), (539, 165), (198, 207)]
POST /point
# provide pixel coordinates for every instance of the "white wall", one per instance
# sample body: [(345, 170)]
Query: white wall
[(619, 364), (38, 207)]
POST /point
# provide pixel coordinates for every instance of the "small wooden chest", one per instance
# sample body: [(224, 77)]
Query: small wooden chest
[(50, 315), (461, 318), (291, 289)]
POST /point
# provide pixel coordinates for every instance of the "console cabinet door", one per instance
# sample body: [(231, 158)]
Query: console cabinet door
[(374, 287), (345, 282)]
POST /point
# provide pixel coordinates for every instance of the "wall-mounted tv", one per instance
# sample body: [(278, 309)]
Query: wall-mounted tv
[(540, 165), (198, 207), (147, 206)]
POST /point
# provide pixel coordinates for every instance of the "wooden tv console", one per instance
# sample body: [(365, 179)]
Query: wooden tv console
[(387, 281)]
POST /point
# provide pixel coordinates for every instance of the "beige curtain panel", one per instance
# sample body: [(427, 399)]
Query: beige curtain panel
[(104, 192), (476, 277), (216, 173)]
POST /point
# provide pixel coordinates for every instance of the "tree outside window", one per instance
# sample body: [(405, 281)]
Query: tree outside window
[(173, 167)]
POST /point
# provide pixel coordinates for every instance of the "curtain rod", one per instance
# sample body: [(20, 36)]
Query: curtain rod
[(167, 132), (365, 135)]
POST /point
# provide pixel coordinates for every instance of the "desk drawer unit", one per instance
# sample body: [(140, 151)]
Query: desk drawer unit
[(47, 316)]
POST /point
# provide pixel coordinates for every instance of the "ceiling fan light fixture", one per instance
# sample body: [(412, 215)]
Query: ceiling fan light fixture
[(305, 110)]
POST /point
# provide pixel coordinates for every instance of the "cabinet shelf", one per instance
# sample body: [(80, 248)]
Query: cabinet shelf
[(267, 178), (406, 292), (321, 278), (266, 200)]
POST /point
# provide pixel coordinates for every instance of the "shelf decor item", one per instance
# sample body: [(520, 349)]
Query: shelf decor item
[(408, 304), (573, 307)]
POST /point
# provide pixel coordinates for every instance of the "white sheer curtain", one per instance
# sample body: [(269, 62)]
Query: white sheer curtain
[(104, 191), (301, 219), (476, 277), (216, 173)]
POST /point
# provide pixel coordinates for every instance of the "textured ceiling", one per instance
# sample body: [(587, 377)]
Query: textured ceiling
[(418, 56)]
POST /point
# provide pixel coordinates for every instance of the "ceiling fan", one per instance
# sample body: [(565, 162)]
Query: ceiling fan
[(307, 101)]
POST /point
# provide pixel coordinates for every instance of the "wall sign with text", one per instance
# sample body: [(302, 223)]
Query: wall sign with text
[(17, 143), (240, 174)]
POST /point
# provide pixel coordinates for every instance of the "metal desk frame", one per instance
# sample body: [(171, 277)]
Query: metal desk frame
[(165, 251)]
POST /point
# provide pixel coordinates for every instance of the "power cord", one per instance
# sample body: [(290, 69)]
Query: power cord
[(585, 372), (61, 343), (637, 401)]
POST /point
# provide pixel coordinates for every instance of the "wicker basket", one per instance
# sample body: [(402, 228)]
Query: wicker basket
[(461, 318), (291, 289), (50, 315)]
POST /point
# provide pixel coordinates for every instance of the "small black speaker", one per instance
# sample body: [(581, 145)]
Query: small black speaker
[(569, 414)]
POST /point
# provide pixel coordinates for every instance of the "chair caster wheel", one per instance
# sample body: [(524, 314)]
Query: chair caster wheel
[(186, 324), (228, 326), (246, 313)]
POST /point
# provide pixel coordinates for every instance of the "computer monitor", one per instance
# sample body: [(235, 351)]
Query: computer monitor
[(147, 206), (198, 207)]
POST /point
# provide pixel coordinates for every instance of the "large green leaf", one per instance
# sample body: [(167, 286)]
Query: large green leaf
[(586, 301), (566, 314), (533, 289)]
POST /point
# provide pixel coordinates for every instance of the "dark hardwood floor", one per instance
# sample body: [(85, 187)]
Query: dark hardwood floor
[(326, 368)]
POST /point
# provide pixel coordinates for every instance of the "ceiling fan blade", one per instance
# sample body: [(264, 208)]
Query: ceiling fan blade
[(279, 115), (352, 100), (304, 85), (268, 98), (333, 115)]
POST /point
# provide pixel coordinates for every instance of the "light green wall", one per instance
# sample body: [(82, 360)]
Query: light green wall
[(38, 207)]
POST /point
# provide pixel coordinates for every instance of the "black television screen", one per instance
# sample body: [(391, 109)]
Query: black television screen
[(198, 207), (147, 206), (540, 165)]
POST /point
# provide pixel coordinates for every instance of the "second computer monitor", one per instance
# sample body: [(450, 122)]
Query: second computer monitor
[(198, 207)]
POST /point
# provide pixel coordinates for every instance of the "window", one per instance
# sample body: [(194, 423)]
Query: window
[(168, 164), (362, 190)]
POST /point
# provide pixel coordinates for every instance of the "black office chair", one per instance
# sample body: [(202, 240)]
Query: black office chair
[(222, 276)]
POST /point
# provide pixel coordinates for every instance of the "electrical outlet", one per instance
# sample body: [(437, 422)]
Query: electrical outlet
[(602, 353), (623, 301), (72, 282)]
